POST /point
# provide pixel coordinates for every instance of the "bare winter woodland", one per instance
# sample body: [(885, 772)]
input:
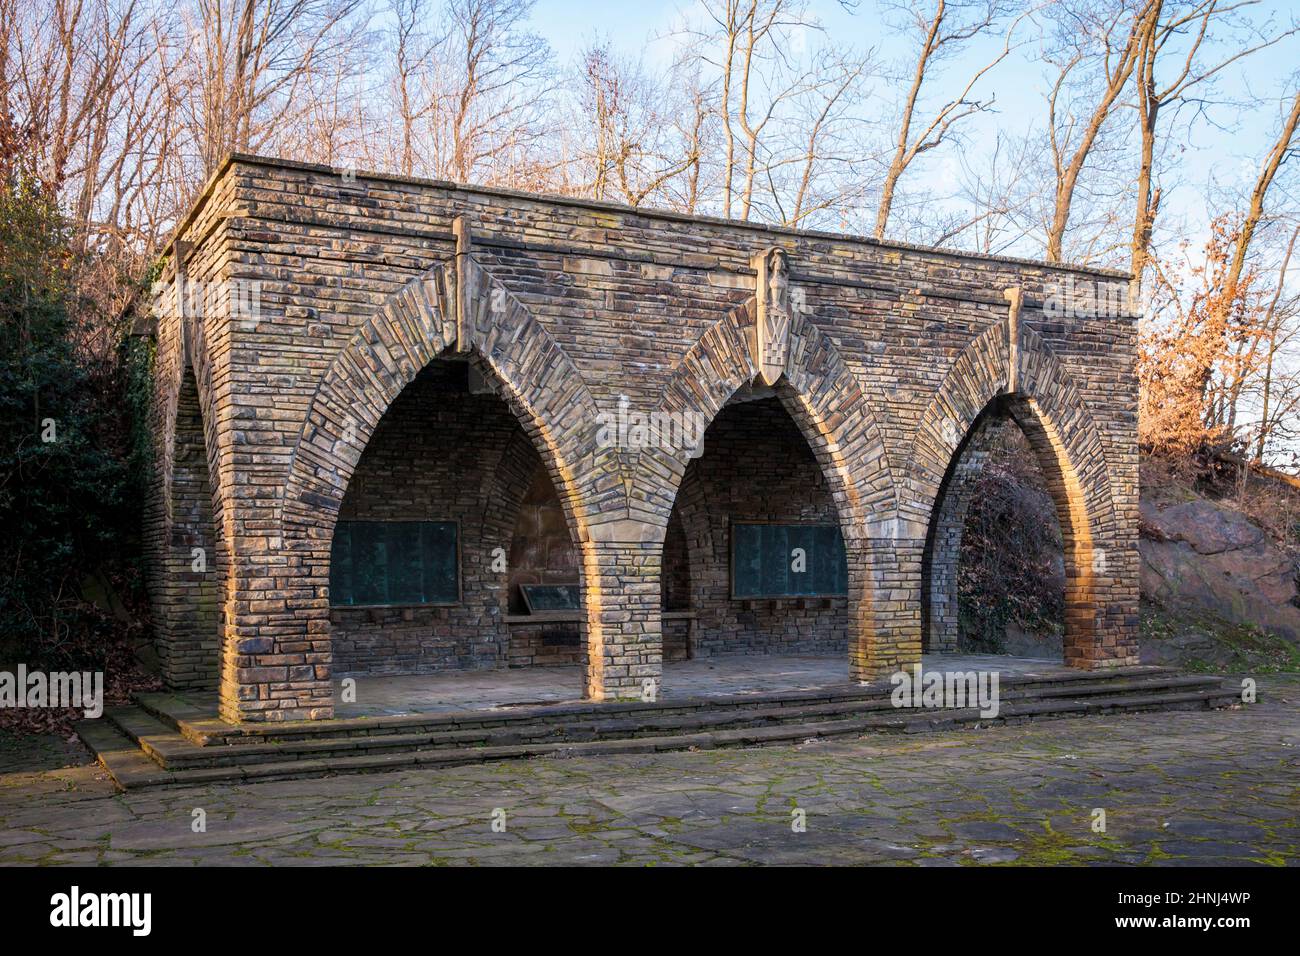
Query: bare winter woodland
[(125, 106)]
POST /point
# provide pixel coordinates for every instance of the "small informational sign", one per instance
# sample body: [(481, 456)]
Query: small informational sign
[(542, 598)]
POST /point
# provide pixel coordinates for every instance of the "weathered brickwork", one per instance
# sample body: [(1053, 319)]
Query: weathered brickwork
[(542, 549), (187, 584), (755, 467), (889, 356), (551, 644)]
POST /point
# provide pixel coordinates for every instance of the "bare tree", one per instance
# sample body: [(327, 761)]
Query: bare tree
[(1235, 285), (628, 141), (490, 89), (412, 53), (1095, 50), (821, 167), (695, 122), (1278, 336), (748, 46), (1281, 150), (248, 65), (785, 110), (999, 191), (1207, 350), (1181, 33), (943, 28)]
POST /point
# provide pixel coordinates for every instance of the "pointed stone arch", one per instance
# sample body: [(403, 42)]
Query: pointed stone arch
[(1042, 398), (823, 397), (536, 378), (940, 607), (191, 593), (983, 372), (834, 416), (189, 568), (415, 326)]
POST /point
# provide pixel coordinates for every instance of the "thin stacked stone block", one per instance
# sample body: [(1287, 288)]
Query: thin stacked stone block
[(572, 309)]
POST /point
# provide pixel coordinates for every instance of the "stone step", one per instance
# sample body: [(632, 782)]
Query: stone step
[(203, 728), (121, 756), (163, 765), (173, 751), (158, 741)]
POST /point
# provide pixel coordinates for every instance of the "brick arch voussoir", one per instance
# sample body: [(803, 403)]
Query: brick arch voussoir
[(549, 395), (1049, 409), (820, 393), (835, 416), (380, 360), (708, 375), (534, 376)]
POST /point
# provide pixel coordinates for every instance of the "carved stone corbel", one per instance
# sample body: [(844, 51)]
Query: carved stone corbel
[(1015, 297), (772, 332), (464, 339)]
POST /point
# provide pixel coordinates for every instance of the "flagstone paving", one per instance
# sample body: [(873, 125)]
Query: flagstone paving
[(703, 677), (1179, 788)]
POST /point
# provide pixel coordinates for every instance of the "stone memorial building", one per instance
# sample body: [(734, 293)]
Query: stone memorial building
[(410, 427)]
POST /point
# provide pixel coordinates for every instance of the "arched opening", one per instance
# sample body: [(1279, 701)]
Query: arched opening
[(190, 647), (1007, 559), (755, 580), (675, 592), (455, 580)]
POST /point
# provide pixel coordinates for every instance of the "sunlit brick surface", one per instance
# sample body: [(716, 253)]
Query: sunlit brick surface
[(565, 307)]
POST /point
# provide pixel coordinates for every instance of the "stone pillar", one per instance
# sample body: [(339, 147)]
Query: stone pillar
[(884, 605), (943, 627), (276, 663), (1118, 626), (1117, 568), (1101, 603), (624, 631)]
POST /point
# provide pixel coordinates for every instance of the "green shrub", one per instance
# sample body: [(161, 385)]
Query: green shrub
[(71, 448), (1011, 569)]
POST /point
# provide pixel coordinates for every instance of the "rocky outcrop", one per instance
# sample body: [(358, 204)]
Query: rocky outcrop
[(1203, 554)]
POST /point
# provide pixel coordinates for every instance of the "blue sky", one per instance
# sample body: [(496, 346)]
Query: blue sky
[(1226, 151), (1218, 163)]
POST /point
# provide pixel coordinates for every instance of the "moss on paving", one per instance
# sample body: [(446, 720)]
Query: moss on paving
[(1015, 796)]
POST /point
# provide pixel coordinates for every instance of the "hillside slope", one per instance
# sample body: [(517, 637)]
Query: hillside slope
[(1219, 589), (1220, 564)]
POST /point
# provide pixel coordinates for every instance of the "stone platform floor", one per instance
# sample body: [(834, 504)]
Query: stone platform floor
[(1178, 788), (703, 677)]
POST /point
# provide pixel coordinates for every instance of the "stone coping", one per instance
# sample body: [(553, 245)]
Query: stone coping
[(606, 206)]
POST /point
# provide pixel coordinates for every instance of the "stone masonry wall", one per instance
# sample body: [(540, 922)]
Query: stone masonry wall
[(443, 454), (755, 467), (572, 307), (189, 590), (541, 546)]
